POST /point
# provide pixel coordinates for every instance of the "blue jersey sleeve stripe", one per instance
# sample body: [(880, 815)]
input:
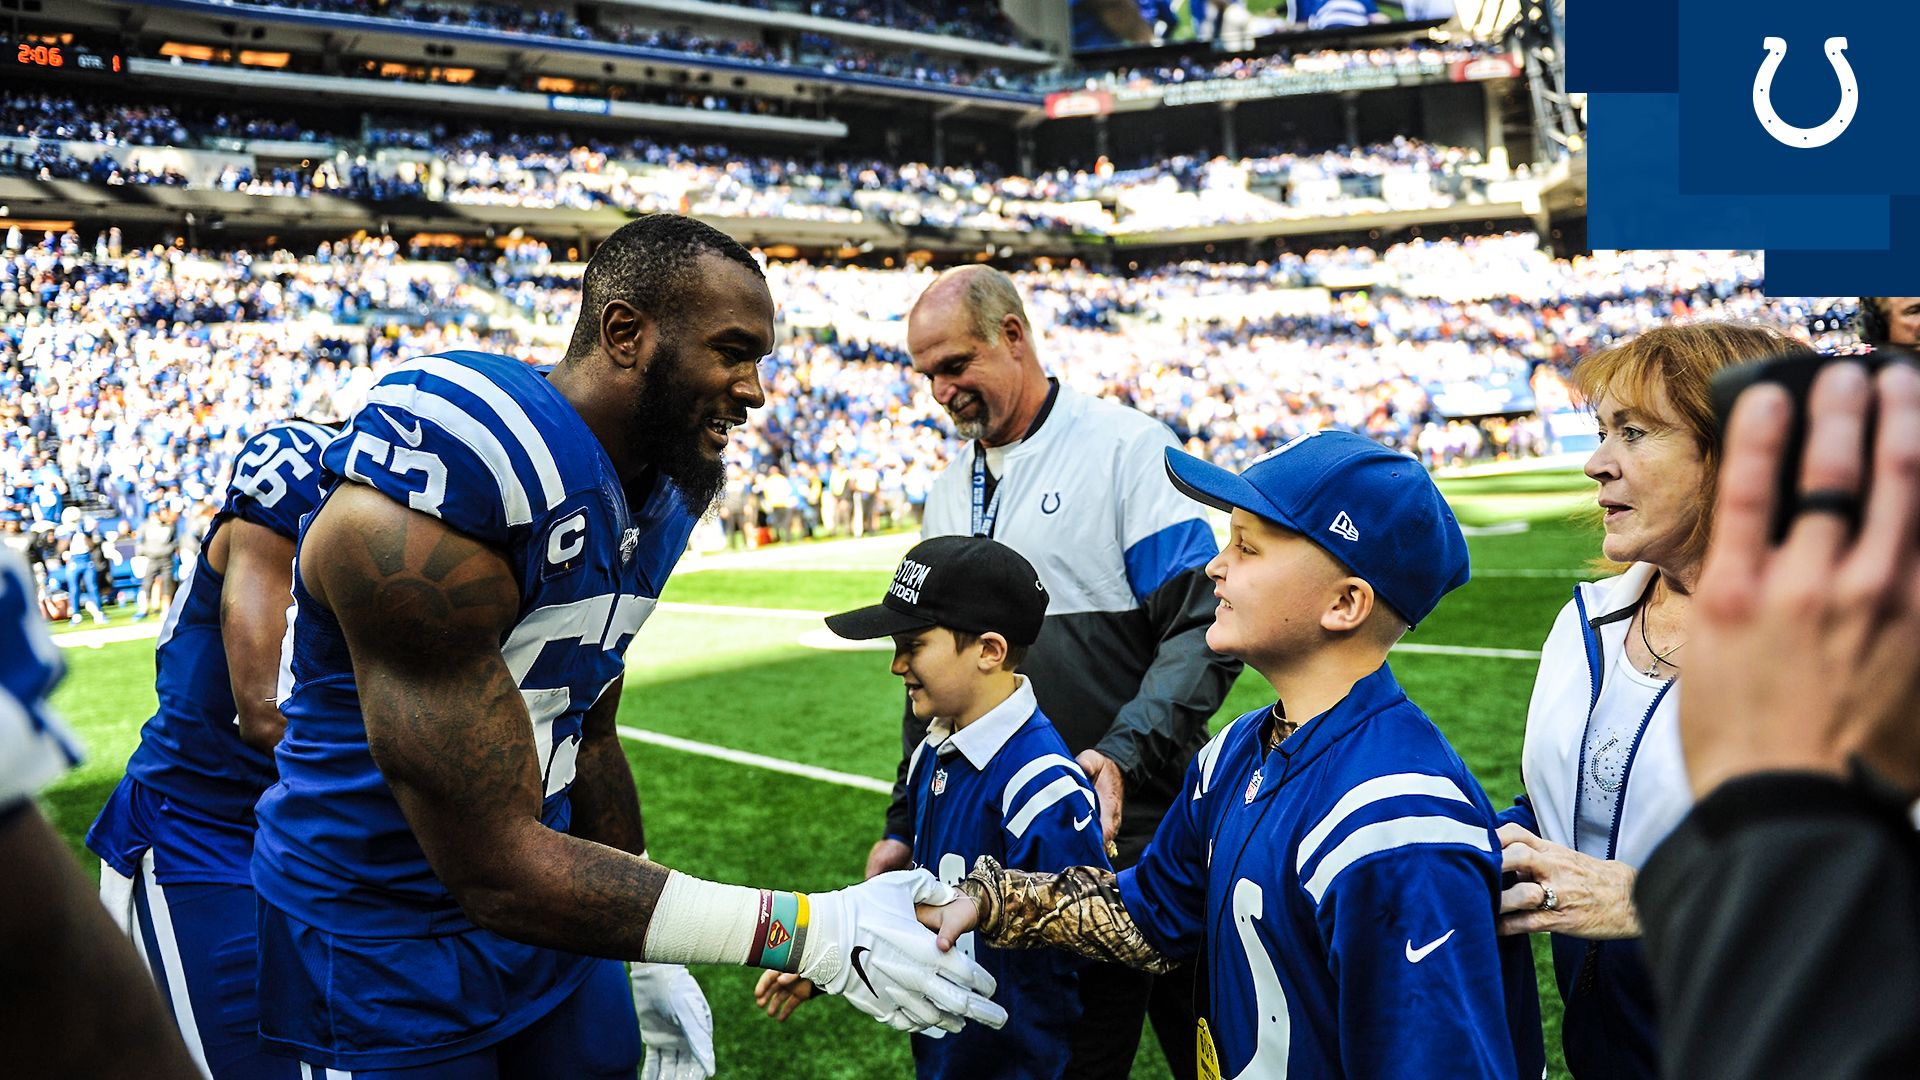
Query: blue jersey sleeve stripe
[(1179, 547), (1032, 769), (462, 426), (552, 488), (1388, 835), (1372, 791), (1046, 797)]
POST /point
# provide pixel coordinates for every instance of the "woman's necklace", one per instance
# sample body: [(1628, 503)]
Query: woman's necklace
[(1653, 665)]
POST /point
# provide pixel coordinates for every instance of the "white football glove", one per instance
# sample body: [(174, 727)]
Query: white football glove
[(864, 943), (675, 1022)]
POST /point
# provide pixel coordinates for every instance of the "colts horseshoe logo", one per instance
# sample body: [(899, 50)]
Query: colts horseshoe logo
[(1798, 137), (1050, 503)]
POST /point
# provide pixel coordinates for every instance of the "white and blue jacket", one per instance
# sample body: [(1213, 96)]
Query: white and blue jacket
[(1609, 1030)]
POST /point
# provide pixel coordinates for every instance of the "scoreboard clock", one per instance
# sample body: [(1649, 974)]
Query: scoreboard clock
[(64, 52)]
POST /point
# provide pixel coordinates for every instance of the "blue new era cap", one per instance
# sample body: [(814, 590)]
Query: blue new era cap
[(1375, 510)]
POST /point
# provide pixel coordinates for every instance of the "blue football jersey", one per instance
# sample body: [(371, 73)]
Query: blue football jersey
[(34, 747), (1344, 888), (1005, 786), (191, 750), (486, 444)]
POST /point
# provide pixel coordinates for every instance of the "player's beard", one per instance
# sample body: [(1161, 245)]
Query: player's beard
[(669, 424)]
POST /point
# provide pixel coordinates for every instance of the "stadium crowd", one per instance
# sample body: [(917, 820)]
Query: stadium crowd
[(810, 50), (132, 376), (548, 169)]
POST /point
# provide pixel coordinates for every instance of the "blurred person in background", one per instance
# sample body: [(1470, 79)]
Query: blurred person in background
[(80, 539), (1605, 778), (158, 542), (1890, 320), (75, 999)]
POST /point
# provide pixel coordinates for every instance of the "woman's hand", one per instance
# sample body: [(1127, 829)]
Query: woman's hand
[(1592, 898)]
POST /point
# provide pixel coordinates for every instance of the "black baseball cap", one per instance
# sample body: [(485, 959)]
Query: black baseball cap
[(967, 583)]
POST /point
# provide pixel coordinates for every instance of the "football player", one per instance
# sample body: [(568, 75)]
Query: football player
[(454, 841), (175, 839)]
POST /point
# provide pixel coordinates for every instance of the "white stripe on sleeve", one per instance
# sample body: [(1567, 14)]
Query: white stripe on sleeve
[(1372, 791), (1045, 798), (1387, 835), (1032, 769), (462, 426), (552, 488)]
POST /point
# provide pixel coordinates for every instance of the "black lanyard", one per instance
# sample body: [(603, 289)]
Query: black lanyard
[(984, 511)]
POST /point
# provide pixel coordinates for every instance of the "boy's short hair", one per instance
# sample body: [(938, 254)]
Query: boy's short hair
[(963, 640)]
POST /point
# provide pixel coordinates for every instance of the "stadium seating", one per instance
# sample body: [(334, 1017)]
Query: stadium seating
[(138, 373)]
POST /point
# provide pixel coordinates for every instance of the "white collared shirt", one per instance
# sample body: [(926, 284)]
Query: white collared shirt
[(983, 738)]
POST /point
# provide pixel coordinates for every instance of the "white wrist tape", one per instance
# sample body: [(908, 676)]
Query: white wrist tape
[(702, 922)]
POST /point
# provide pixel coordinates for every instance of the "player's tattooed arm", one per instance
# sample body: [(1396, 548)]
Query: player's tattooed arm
[(1078, 909), (424, 610)]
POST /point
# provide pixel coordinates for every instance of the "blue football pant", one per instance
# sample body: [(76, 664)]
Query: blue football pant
[(199, 942), (592, 1035)]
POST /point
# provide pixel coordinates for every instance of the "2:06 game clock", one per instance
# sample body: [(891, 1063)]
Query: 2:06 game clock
[(66, 53)]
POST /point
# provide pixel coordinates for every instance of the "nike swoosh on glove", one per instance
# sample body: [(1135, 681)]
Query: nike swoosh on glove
[(864, 943), (675, 1023)]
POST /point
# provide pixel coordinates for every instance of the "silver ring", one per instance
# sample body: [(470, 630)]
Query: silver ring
[(1552, 902)]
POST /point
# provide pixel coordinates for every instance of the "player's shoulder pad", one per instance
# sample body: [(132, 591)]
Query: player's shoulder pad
[(480, 441), (1040, 783), (277, 476)]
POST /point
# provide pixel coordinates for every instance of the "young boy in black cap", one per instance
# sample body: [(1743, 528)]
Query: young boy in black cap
[(992, 778)]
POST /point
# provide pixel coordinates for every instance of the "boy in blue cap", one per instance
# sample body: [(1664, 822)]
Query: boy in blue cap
[(992, 778), (1334, 859)]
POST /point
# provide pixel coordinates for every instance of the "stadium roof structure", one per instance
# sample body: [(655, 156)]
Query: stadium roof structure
[(349, 35)]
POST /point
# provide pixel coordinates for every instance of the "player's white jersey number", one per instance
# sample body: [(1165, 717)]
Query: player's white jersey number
[(401, 461), (262, 472), (606, 622)]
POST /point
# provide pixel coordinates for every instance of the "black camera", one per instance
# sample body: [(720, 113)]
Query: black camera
[(1795, 371)]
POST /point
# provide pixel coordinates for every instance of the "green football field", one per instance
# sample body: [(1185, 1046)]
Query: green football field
[(762, 757)]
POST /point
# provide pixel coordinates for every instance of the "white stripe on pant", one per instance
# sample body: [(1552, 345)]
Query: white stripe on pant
[(118, 894)]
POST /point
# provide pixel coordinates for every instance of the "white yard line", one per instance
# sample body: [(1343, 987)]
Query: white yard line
[(758, 761), (744, 612), (111, 635), (94, 639), (1468, 650)]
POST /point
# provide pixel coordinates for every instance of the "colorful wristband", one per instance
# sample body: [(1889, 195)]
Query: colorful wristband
[(780, 935)]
